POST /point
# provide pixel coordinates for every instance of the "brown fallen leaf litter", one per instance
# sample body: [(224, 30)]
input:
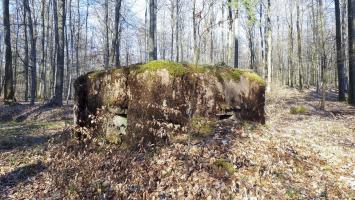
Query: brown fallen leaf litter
[(297, 155)]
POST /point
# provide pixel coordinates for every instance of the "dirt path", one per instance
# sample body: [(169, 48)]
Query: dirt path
[(307, 154)]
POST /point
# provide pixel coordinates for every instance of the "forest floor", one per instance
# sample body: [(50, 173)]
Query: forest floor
[(300, 153)]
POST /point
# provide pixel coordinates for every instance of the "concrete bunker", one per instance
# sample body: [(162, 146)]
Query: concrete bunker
[(161, 98)]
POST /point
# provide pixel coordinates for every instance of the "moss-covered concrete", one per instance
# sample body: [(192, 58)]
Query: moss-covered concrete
[(163, 98), (174, 69)]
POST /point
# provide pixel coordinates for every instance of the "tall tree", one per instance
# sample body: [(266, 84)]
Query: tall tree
[(25, 60), (322, 52), (107, 45), (269, 46), (59, 24), (195, 29), (177, 19), (33, 56), (231, 33), (9, 92), (116, 40), (152, 43), (43, 47), (351, 35), (340, 55), (299, 46)]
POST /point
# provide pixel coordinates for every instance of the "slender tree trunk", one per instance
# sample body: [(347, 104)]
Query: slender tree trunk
[(269, 47), (9, 92), (222, 33), (25, 60), (236, 41), (322, 53), (211, 39), (43, 62), (299, 47), (107, 45), (194, 24), (351, 35), (291, 49), (146, 32), (231, 33), (263, 60), (172, 25), (86, 34), (152, 30), (77, 41), (177, 19)]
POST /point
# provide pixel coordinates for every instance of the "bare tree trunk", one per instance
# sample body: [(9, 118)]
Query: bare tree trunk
[(77, 41), (59, 24), (43, 59), (107, 45), (236, 41), (9, 93), (263, 60), (291, 64), (86, 34), (152, 30), (299, 47), (269, 47), (211, 42), (322, 52), (196, 45), (146, 32), (340, 56), (172, 25), (177, 19), (231, 33), (25, 61), (116, 41), (351, 35), (33, 53), (222, 24)]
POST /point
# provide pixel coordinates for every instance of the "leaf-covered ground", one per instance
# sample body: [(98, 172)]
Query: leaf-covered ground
[(301, 153)]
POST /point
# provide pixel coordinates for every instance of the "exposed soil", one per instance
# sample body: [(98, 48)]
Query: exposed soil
[(306, 155)]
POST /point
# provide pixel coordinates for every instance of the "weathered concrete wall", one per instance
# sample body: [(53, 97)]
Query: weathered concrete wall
[(162, 98)]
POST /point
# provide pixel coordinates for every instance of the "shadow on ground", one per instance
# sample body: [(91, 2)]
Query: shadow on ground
[(8, 143), (39, 112), (19, 175)]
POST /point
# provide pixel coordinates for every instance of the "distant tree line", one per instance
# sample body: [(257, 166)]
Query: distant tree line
[(46, 44)]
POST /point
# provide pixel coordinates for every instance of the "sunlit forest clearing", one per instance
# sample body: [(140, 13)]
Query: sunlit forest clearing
[(177, 99)]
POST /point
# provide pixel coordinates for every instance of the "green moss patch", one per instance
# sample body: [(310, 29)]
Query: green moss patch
[(202, 127), (174, 69), (236, 74), (95, 74), (254, 77), (298, 110), (224, 164)]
